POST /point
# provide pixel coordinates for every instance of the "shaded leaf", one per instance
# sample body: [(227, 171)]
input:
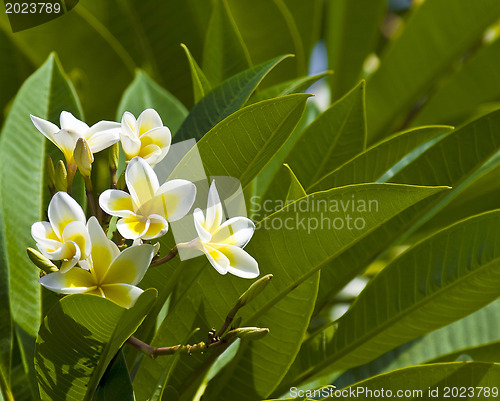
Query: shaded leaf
[(78, 339), (201, 86), (224, 100)]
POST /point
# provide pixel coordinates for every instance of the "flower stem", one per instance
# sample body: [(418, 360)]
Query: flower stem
[(90, 196), (153, 352), (172, 254), (71, 168)]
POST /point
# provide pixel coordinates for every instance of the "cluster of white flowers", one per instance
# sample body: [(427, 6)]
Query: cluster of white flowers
[(92, 263)]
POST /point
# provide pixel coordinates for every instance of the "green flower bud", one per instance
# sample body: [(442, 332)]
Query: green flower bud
[(61, 180), (254, 290), (250, 333), (41, 261), (50, 173), (83, 157), (114, 156)]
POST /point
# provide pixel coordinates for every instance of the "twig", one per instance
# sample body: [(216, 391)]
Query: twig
[(172, 254), (153, 352)]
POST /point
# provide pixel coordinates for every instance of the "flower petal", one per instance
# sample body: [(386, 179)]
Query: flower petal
[(148, 120), (66, 142), (129, 138), (116, 203), (70, 123), (199, 221), (132, 228), (158, 227), (104, 251), (235, 231), (63, 209), (216, 258), (122, 294), (174, 199), (142, 182), (130, 266), (151, 154), (47, 128), (102, 135), (77, 232), (43, 233), (160, 137), (73, 282), (73, 259), (214, 212), (241, 264)]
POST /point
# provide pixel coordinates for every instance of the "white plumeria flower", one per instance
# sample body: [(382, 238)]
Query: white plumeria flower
[(107, 272), (98, 137), (146, 137), (223, 243), (65, 237), (145, 211)]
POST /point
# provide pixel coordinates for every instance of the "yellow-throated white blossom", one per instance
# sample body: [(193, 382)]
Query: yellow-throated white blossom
[(145, 137), (145, 211), (107, 272), (98, 137), (222, 242), (65, 236)]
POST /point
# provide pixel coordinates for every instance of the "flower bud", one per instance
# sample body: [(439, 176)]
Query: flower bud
[(251, 333), (114, 156), (254, 290), (61, 180), (41, 261), (83, 157), (50, 173)]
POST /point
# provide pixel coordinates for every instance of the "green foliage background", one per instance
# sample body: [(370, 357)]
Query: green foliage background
[(412, 120)]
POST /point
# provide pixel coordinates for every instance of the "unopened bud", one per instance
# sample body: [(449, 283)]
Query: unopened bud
[(41, 261), (254, 290), (83, 157), (50, 173), (250, 333), (114, 156), (61, 180)]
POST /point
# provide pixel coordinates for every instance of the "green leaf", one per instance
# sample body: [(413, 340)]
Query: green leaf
[(225, 53), (287, 88), (442, 279), (22, 157), (144, 93), (373, 163), (409, 70), (115, 384), (5, 323), (241, 145), (334, 137), (205, 305), (78, 339), (201, 86), (457, 160), (474, 379), (454, 339), (351, 34), (475, 83), (224, 100)]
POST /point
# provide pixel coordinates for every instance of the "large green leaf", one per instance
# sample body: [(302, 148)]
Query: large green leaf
[(457, 160), (477, 330), (242, 144), (475, 83), (201, 86), (22, 157), (225, 53), (286, 88), (351, 34), (5, 322), (338, 134), (284, 252), (408, 70), (78, 339), (440, 280), (477, 380), (144, 93), (116, 383), (224, 100), (371, 165)]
